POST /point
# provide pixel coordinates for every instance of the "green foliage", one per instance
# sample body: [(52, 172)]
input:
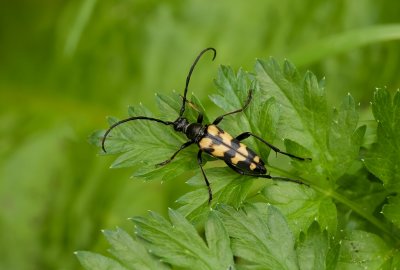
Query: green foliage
[(360, 250), (179, 244), (261, 224), (260, 117), (82, 60), (268, 241), (383, 160), (91, 260), (142, 147), (315, 250), (227, 188), (141, 144), (123, 246), (309, 125), (176, 243), (302, 206)]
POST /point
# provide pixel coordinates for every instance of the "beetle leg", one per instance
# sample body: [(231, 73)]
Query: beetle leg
[(249, 97), (200, 161), (239, 171), (183, 146), (245, 135), (200, 118)]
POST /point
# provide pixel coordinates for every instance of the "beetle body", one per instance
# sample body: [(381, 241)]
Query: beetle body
[(222, 145), (214, 141)]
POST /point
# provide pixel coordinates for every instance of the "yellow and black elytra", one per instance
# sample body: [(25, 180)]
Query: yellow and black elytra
[(214, 141)]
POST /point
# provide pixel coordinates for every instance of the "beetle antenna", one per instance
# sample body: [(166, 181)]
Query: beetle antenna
[(190, 74), (127, 120)]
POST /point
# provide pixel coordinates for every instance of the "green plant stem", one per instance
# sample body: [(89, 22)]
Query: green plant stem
[(80, 23), (342, 199), (346, 41)]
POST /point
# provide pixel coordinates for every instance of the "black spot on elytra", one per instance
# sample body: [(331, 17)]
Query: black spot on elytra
[(245, 166), (229, 154), (220, 131), (208, 149)]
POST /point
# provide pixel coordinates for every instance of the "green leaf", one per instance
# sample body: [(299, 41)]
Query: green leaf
[(302, 206), (142, 144), (131, 253), (314, 251), (383, 159), (218, 240), (361, 187), (363, 250), (261, 116), (332, 137), (394, 262), (392, 210), (93, 261), (179, 244), (227, 186), (260, 236)]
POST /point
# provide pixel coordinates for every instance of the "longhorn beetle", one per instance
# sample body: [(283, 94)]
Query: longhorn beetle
[(214, 141)]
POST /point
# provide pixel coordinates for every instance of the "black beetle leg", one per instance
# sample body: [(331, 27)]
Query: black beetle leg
[(239, 171), (200, 118), (183, 146), (200, 161), (249, 97), (245, 135)]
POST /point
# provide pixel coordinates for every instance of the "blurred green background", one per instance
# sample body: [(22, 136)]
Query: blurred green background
[(66, 65)]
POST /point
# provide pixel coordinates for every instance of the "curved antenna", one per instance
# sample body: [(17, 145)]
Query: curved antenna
[(127, 120), (190, 74)]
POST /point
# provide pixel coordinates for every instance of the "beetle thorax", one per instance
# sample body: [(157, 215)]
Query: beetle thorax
[(181, 124), (194, 131)]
